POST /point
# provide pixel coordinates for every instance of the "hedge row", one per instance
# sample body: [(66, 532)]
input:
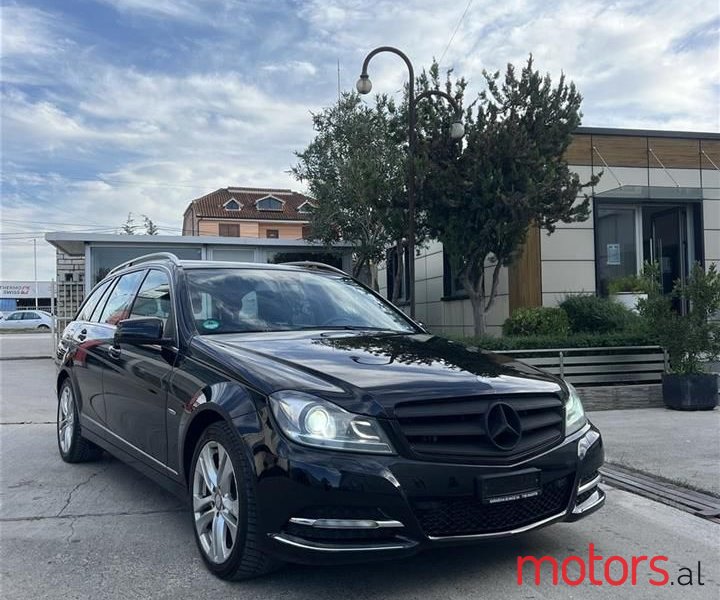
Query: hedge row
[(553, 341)]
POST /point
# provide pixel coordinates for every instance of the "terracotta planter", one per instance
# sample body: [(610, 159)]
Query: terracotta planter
[(690, 392), (629, 299)]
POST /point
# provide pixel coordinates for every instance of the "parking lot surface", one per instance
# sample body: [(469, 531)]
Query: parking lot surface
[(101, 530)]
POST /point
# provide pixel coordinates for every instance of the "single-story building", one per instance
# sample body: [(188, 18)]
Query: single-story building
[(658, 200), (84, 259), (16, 295)]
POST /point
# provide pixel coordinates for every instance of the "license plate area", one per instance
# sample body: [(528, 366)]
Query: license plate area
[(495, 489)]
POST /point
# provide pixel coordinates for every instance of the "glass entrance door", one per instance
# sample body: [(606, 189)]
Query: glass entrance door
[(665, 242)]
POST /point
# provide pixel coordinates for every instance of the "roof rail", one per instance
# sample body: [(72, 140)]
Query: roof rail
[(315, 265), (146, 258)]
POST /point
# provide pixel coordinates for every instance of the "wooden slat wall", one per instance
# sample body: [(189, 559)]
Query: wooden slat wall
[(632, 151), (621, 151), (675, 153), (525, 274), (712, 149), (580, 151)]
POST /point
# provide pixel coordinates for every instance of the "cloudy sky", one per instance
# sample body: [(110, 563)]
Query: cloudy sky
[(110, 106)]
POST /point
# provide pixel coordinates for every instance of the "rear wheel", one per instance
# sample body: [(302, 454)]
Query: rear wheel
[(43, 327), (223, 507), (73, 446)]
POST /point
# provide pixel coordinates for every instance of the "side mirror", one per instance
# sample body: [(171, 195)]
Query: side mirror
[(144, 330)]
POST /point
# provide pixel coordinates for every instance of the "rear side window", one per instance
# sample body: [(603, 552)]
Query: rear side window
[(30, 316), (118, 303), (86, 311)]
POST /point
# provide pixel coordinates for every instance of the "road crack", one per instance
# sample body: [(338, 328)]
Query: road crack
[(79, 485)]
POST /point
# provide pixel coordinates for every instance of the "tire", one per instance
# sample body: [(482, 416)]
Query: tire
[(43, 328), (212, 508), (73, 447)]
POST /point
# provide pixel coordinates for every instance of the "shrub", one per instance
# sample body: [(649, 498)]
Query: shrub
[(591, 314), (538, 320), (629, 283), (689, 339)]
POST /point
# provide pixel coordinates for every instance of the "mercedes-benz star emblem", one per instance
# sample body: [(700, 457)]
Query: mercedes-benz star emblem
[(503, 426)]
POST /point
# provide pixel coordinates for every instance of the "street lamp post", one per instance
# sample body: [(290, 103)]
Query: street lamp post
[(364, 86)]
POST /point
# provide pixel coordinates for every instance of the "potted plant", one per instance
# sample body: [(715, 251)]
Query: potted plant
[(627, 291), (691, 340)]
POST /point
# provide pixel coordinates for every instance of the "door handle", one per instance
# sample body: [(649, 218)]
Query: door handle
[(82, 335), (114, 352)]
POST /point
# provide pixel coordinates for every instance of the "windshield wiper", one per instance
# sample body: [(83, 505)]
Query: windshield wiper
[(349, 328)]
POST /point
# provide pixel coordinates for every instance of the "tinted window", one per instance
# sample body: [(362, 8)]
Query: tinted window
[(30, 316), (242, 300), (153, 299), (118, 303), (91, 302), (15, 317)]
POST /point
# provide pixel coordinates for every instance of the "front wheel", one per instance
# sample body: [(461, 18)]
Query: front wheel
[(72, 445), (223, 507)]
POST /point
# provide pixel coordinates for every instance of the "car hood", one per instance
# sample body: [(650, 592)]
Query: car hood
[(369, 374)]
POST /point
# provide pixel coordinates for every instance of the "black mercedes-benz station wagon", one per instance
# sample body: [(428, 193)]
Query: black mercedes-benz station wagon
[(308, 420)]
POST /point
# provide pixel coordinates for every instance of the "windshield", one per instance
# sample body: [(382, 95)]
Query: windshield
[(244, 300)]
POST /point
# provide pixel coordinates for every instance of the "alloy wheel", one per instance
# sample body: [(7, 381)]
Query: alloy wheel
[(66, 419), (216, 505)]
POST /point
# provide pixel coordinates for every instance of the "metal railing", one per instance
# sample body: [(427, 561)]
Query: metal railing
[(621, 365)]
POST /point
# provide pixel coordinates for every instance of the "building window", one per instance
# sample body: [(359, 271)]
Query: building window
[(269, 203), (305, 208), (452, 282), (232, 204), (272, 234), (306, 232), (229, 230), (404, 281)]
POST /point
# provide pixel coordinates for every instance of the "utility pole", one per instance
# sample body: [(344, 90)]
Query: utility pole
[(35, 266)]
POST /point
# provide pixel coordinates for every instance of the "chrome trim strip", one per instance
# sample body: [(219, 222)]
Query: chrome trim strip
[(594, 500), (478, 536), (345, 523), (124, 441), (280, 537), (568, 440), (589, 485)]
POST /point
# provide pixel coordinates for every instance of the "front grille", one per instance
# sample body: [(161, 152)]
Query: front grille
[(467, 516), (456, 427)]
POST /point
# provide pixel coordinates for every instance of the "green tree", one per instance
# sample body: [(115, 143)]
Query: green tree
[(150, 227), (509, 175), (355, 170), (128, 228)]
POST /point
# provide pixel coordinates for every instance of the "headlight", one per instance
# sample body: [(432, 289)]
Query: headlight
[(574, 412), (314, 422)]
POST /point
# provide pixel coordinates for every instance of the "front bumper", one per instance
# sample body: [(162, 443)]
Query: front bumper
[(319, 507)]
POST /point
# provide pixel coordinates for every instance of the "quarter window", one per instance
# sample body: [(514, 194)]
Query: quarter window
[(118, 303), (91, 302)]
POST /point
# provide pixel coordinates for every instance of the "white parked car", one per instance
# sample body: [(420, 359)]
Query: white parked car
[(27, 319)]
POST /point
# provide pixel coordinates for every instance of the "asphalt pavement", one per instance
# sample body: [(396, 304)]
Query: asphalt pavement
[(680, 446), (25, 345), (101, 530)]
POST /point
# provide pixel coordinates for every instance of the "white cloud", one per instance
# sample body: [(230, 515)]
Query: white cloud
[(92, 138)]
